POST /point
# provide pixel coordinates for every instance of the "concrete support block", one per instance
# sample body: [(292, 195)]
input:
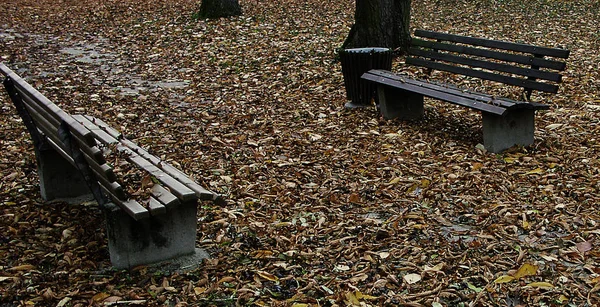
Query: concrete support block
[(156, 239), (58, 177), (397, 103), (516, 127)]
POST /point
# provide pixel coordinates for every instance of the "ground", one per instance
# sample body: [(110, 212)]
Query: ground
[(326, 206)]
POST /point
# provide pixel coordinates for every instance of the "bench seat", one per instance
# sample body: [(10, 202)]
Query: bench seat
[(506, 122), (150, 218)]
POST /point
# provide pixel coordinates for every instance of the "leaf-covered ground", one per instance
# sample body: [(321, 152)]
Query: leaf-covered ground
[(326, 206)]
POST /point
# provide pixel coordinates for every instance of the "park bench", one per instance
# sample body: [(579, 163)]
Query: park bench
[(150, 206), (506, 122)]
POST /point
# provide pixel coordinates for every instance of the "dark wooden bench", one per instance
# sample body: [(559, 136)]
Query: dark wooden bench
[(506, 122), (150, 206)]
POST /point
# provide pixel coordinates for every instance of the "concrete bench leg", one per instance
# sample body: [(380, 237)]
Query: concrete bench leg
[(152, 240), (58, 177), (397, 103), (516, 127)]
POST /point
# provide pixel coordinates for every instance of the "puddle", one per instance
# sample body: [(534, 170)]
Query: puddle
[(10, 34), (458, 232), (135, 86), (91, 54)]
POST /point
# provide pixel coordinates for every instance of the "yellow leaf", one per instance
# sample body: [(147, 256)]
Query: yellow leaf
[(300, 305), (425, 183), (361, 296), (504, 279), (199, 290), (263, 254), (562, 298), (352, 300), (395, 180), (24, 267), (541, 284), (225, 279), (509, 160), (536, 171), (267, 276), (526, 225), (100, 297), (526, 269)]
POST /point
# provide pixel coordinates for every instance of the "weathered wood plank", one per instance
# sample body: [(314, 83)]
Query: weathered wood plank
[(156, 207), (164, 196), (470, 103), (492, 54), (201, 192), (544, 51), (177, 188), (527, 72), (529, 84), (503, 102)]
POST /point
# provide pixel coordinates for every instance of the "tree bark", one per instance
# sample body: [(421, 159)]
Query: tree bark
[(380, 23), (219, 8)]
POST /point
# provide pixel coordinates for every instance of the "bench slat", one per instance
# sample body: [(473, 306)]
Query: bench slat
[(527, 72), (103, 136), (144, 160), (491, 54), (108, 184), (135, 210), (156, 207), (201, 192), (543, 51), (529, 84), (482, 106), (504, 102), (177, 188), (78, 131), (93, 155), (164, 196)]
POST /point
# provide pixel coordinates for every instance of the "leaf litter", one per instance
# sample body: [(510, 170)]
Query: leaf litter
[(327, 206)]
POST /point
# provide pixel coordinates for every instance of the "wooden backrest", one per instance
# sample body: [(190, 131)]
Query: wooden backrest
[(47, 118), (527, 66)]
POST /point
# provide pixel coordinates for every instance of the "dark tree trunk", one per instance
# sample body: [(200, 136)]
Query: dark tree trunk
[(380, 23), (219, 8)]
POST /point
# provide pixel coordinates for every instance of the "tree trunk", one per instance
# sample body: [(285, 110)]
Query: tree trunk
[(380, 23), (219, 8)]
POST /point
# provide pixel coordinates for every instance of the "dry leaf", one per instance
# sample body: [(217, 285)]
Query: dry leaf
[(411, 278), (526, 269), (541, 284)]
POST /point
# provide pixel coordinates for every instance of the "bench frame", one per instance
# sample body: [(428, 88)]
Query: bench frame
[(506, 122), (71, 163)]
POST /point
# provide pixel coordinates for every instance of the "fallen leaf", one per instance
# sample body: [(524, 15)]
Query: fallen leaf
[(100, 297), (541, 284), (267, 276), (583, 247), (504, 279), (473, 287), (411, 278), (526, 269), (24, 267)]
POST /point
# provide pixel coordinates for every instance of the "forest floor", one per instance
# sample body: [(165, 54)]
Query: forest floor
[(326, 206)]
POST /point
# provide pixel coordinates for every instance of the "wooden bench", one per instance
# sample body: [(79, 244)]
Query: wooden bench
[(150, 206), (506, 122)]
